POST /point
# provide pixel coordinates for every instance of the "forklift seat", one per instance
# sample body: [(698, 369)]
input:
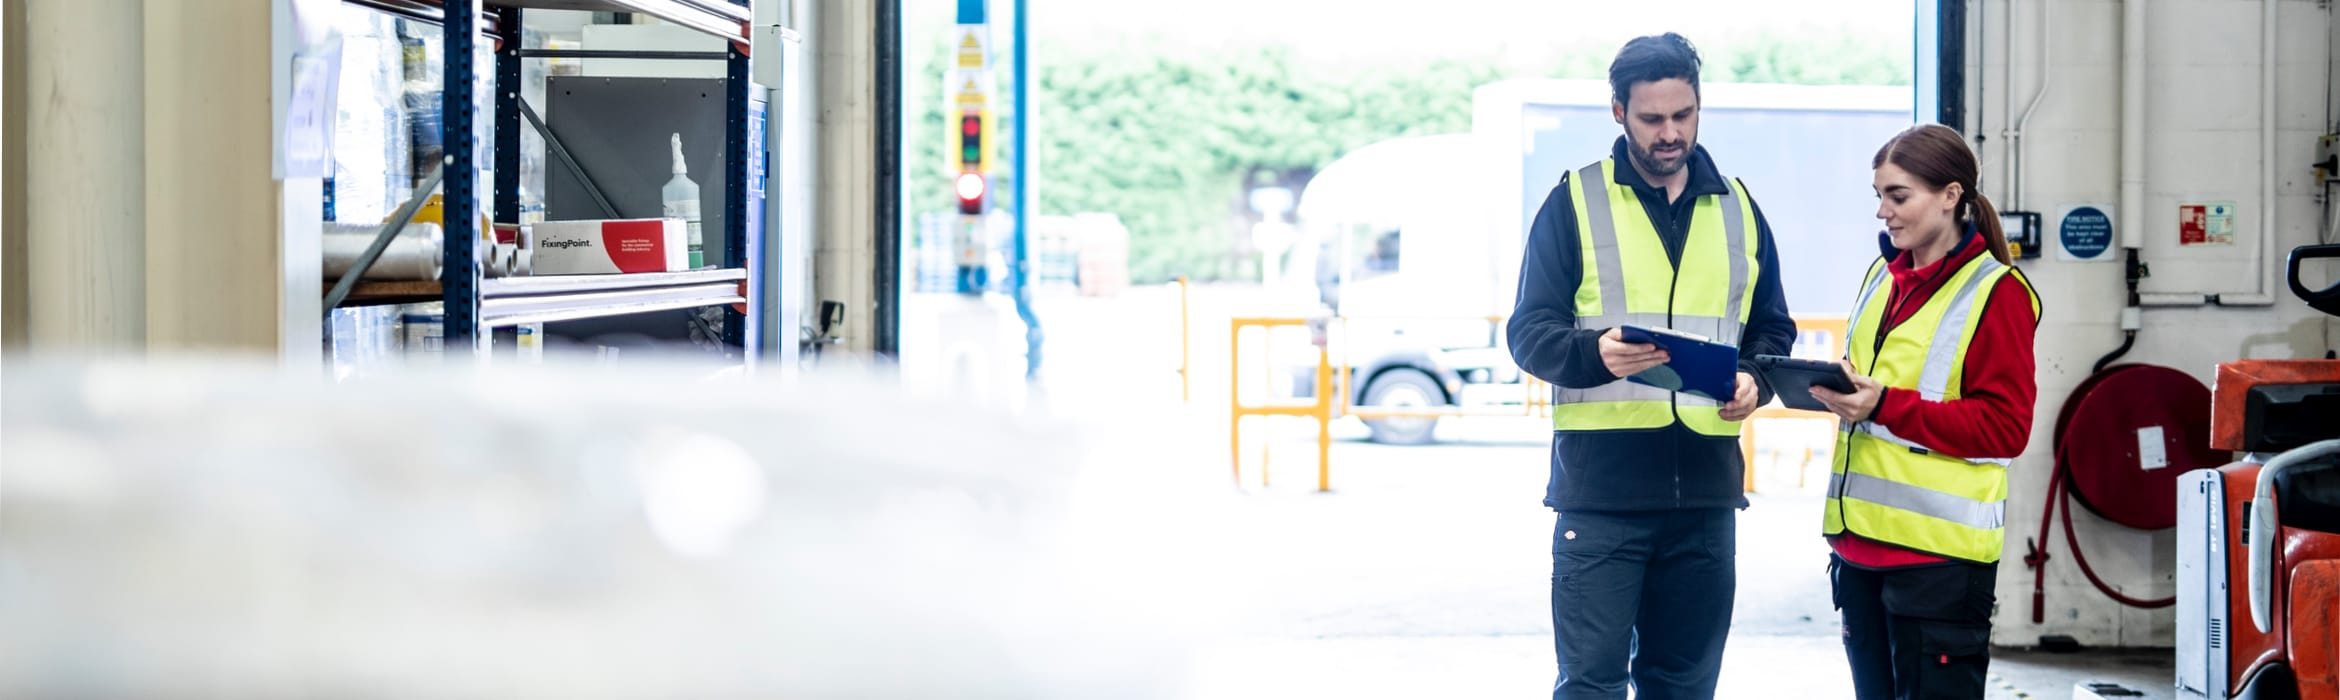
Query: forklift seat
[(2307, 497)]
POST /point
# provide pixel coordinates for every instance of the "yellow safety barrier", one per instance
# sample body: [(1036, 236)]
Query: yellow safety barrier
[(1831, 330), (1332, 397), (1320, 408)]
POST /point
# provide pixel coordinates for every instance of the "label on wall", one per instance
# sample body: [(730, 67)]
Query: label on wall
[(2085, 234), (2205, 223)]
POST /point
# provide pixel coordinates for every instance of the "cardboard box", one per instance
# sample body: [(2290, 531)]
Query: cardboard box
[(606, 247)]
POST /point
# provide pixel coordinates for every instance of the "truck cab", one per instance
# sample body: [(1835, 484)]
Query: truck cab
[(1414, 243)]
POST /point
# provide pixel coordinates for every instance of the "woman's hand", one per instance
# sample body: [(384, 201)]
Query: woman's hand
[(1856, 406)]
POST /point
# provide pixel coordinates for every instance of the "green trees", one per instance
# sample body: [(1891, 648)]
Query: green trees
[(1170, 142)]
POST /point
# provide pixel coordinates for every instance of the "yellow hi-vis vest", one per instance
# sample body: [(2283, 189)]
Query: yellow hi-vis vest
[(1628, 278), (1888, 489)]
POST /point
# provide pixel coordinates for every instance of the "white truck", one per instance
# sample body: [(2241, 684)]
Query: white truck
[(1415, 242)]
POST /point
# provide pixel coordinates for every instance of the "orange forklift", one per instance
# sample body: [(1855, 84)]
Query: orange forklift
[(2258, 550)]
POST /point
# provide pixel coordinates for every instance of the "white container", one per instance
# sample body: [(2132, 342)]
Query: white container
[(680, 199)]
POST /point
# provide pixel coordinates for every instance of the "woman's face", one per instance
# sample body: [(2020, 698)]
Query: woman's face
[(1915, 214)]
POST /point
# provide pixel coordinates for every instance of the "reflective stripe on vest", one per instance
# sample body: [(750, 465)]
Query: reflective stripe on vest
[(1887, 488), (1919, 499), (1629, 278)]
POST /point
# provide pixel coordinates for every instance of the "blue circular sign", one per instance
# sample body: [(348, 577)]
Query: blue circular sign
[(2086, 232)]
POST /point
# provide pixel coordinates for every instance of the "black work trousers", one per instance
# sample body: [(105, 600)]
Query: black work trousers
[(1916, 633), (1642, 599)]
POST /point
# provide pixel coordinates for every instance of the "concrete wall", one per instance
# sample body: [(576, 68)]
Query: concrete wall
[(2202, 145)]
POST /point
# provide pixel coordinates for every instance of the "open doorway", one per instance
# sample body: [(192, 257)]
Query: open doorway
[(1286, 161), (1183, 149)]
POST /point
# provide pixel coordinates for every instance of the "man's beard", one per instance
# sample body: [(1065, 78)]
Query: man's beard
[(1649, 163)]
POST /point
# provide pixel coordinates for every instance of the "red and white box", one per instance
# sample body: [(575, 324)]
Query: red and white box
[(613, 246)]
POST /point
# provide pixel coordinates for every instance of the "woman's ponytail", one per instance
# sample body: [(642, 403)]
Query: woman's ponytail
[(1986, 220)]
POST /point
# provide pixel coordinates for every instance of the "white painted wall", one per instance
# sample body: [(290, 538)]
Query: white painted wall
[(2202, 144)]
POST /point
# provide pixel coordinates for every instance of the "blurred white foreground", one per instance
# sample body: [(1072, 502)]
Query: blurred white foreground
[(219, 529)]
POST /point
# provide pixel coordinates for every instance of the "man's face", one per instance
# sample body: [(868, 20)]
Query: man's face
[(1661, 125)]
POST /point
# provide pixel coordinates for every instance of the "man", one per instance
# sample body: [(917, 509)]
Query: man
[(1646, 481)]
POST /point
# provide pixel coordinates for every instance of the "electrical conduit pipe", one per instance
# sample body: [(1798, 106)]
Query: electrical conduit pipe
[(2132, 206)]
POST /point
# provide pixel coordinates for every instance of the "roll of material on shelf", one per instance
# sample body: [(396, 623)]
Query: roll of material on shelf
[(413, 255), (500, 261)]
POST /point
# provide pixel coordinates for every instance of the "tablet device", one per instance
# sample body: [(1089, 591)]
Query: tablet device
[(1792, 379), (1697, 365)]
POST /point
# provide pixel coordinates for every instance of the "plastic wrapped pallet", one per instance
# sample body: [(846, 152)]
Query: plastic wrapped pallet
[(370, 156), (420, 87), (362, 341)]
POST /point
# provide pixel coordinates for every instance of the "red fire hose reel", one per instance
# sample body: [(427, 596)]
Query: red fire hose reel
[(2122, 440)]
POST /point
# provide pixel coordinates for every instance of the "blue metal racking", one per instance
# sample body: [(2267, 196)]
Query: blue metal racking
[(475, 304)]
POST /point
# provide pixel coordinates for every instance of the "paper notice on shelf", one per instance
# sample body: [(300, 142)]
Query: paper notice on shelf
[(309, 114), (2151, 452)]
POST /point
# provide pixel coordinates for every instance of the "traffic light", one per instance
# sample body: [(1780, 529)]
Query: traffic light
[(971, 184), (971, 187), (971, 141)]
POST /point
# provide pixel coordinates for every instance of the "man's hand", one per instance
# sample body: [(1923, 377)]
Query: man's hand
[(1627, 359), (1742, 404), (1856, 406)]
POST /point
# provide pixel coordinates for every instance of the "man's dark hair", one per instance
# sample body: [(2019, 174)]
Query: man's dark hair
[(1650, 59)]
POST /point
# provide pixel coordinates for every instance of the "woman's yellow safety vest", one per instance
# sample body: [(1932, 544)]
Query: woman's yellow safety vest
[(1629, 278), (1888, 489)]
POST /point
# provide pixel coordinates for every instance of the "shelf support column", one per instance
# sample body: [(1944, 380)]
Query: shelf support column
[(507, 126), (741, 216), (460, 136)]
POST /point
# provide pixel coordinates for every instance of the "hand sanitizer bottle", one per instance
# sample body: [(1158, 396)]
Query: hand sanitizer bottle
[(681, 198)]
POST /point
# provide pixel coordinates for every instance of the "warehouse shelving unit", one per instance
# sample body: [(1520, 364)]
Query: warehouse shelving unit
[(475, 304)]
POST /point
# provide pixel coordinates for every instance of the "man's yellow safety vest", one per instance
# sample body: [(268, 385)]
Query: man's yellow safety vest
[(1888, 489), (1629, 278)]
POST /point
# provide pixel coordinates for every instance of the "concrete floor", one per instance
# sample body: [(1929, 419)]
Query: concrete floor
[(1425, 574), (1425, 571)]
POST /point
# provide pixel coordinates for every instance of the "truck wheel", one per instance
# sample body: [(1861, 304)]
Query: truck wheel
[(1403, 388)]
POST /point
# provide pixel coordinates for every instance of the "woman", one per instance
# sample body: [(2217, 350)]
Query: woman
[(1939, 349)]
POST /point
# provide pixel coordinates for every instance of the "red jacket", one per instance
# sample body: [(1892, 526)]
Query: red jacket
[(1992, 416)]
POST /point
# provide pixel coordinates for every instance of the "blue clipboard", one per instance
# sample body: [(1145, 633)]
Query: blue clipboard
[(1697, 366)]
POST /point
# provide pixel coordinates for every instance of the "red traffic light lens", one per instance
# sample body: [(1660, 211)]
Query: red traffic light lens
[(971, 126)]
